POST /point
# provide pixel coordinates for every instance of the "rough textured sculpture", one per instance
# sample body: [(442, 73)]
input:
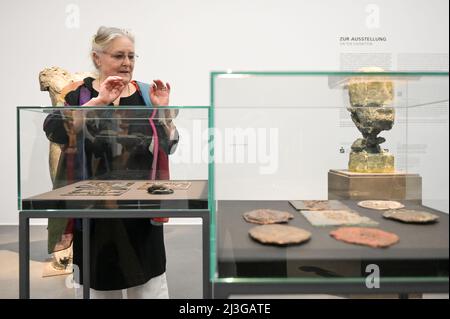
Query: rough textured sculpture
[(159, 189), (56, 81), (279, 234), (370, 98)]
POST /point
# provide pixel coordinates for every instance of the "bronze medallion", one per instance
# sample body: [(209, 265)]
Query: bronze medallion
[(411, 216), (279, 234), (380, 204), (267, 216), (365, 236)]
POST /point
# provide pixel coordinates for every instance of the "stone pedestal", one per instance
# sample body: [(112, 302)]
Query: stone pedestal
[(343, 184)]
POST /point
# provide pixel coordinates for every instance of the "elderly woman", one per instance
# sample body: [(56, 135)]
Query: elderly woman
[(125, 253)]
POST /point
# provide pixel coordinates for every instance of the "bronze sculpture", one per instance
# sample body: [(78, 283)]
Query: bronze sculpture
[(370, 100)]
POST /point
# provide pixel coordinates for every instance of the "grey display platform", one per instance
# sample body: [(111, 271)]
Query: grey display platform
[(417, 264), (134, 198), (140, 204)]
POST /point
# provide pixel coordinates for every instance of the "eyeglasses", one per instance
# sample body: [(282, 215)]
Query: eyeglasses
[(120, 57)]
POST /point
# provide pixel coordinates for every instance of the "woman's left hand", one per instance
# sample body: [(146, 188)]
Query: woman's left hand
[(159, 93)]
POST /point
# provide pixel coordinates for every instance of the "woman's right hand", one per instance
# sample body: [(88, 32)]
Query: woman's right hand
[(110, 90)]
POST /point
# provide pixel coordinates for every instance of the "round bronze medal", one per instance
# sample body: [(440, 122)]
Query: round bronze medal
[(279, 234), (365, 236), (267, 216), (380, 204), (411, 216)]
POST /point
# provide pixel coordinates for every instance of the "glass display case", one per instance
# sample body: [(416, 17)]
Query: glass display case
[(329, 182), (78, 165)]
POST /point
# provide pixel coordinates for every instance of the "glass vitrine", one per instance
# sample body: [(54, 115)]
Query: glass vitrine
[(78, 165), (356, 160)]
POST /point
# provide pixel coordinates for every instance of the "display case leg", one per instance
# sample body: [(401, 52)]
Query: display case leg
[(205, 257), (86, 258), (24, 256)]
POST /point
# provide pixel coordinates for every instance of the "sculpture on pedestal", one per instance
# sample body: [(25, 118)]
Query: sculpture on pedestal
[(370, 100)]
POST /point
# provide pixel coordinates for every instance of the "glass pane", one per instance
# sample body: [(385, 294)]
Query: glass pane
[(297, 142)]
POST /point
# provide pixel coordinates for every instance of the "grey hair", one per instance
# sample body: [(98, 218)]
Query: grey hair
[(104, 36)]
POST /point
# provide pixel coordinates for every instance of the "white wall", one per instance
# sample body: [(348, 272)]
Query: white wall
[(182, 41)]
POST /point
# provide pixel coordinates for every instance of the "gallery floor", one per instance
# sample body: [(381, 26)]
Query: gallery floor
[(183, 246)]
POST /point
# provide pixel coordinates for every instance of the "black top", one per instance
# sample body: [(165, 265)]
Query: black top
[(124, 252)]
